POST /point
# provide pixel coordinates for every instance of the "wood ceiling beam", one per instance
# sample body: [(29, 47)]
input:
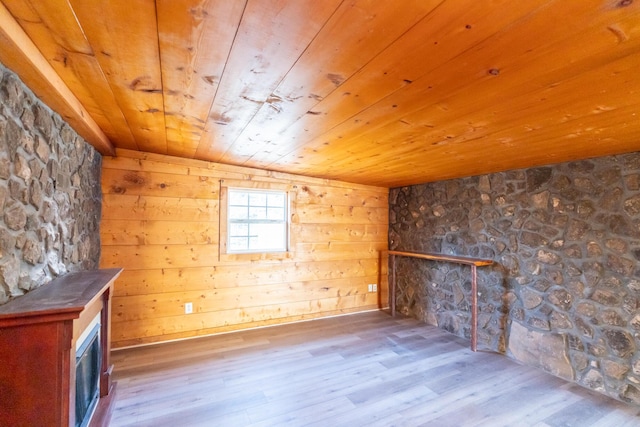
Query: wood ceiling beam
[(22, 56)]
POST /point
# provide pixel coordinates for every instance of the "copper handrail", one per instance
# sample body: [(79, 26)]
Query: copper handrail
[(473, 262)]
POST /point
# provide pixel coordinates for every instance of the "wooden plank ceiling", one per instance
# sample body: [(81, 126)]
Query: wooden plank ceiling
[(376, 92)]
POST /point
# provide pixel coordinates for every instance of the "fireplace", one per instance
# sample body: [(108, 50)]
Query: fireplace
[(87, 373), (62, 329)]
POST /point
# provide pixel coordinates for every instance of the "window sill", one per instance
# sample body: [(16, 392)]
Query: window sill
[(256, 256)]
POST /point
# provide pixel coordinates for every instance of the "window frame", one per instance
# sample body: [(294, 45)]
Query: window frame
[(281, 221), (290, 192)]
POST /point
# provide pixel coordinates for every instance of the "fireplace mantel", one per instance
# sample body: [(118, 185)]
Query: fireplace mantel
[(38, 332)]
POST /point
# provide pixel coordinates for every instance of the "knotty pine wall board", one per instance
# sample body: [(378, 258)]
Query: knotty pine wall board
[(149, 162), (340, 232), (124, 207), (135, 232), (160, 221), (203, 323), (156, 281), (247, 295)]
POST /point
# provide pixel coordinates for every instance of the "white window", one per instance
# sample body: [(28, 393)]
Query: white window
[(257, 221)]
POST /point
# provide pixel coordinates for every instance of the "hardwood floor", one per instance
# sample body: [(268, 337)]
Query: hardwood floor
[(366, 369)]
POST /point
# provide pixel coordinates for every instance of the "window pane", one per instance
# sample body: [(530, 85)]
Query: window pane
[(238, 244), (275, 214), (257, 221), (238, 197), (275, 200), (238, 212), (267, 236), (238, 230), (257, 199), (257, 212)]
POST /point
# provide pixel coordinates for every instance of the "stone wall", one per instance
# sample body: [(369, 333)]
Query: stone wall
[(49, 193), (564, 294)]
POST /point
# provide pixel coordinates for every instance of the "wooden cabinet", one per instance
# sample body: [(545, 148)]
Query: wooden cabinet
[(38, 334)]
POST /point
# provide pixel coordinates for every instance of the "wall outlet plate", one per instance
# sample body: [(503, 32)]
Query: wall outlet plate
[(188, 308), (370, 288), (375, 287)]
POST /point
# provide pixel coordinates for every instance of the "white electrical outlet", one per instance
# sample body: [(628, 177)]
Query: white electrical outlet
[(370, 288), (188, 308), (375, 287)]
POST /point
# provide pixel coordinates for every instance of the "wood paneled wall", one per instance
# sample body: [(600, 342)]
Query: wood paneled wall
[(160, 222)]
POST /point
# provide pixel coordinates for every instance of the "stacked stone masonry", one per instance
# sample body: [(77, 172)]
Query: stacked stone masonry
[(49, 193), (564, 294)]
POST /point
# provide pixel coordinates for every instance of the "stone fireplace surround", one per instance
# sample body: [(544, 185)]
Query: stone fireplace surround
[(564, 294), (50, 194)]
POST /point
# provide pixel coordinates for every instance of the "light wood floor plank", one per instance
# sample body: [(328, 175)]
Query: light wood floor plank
[(366, 369)]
